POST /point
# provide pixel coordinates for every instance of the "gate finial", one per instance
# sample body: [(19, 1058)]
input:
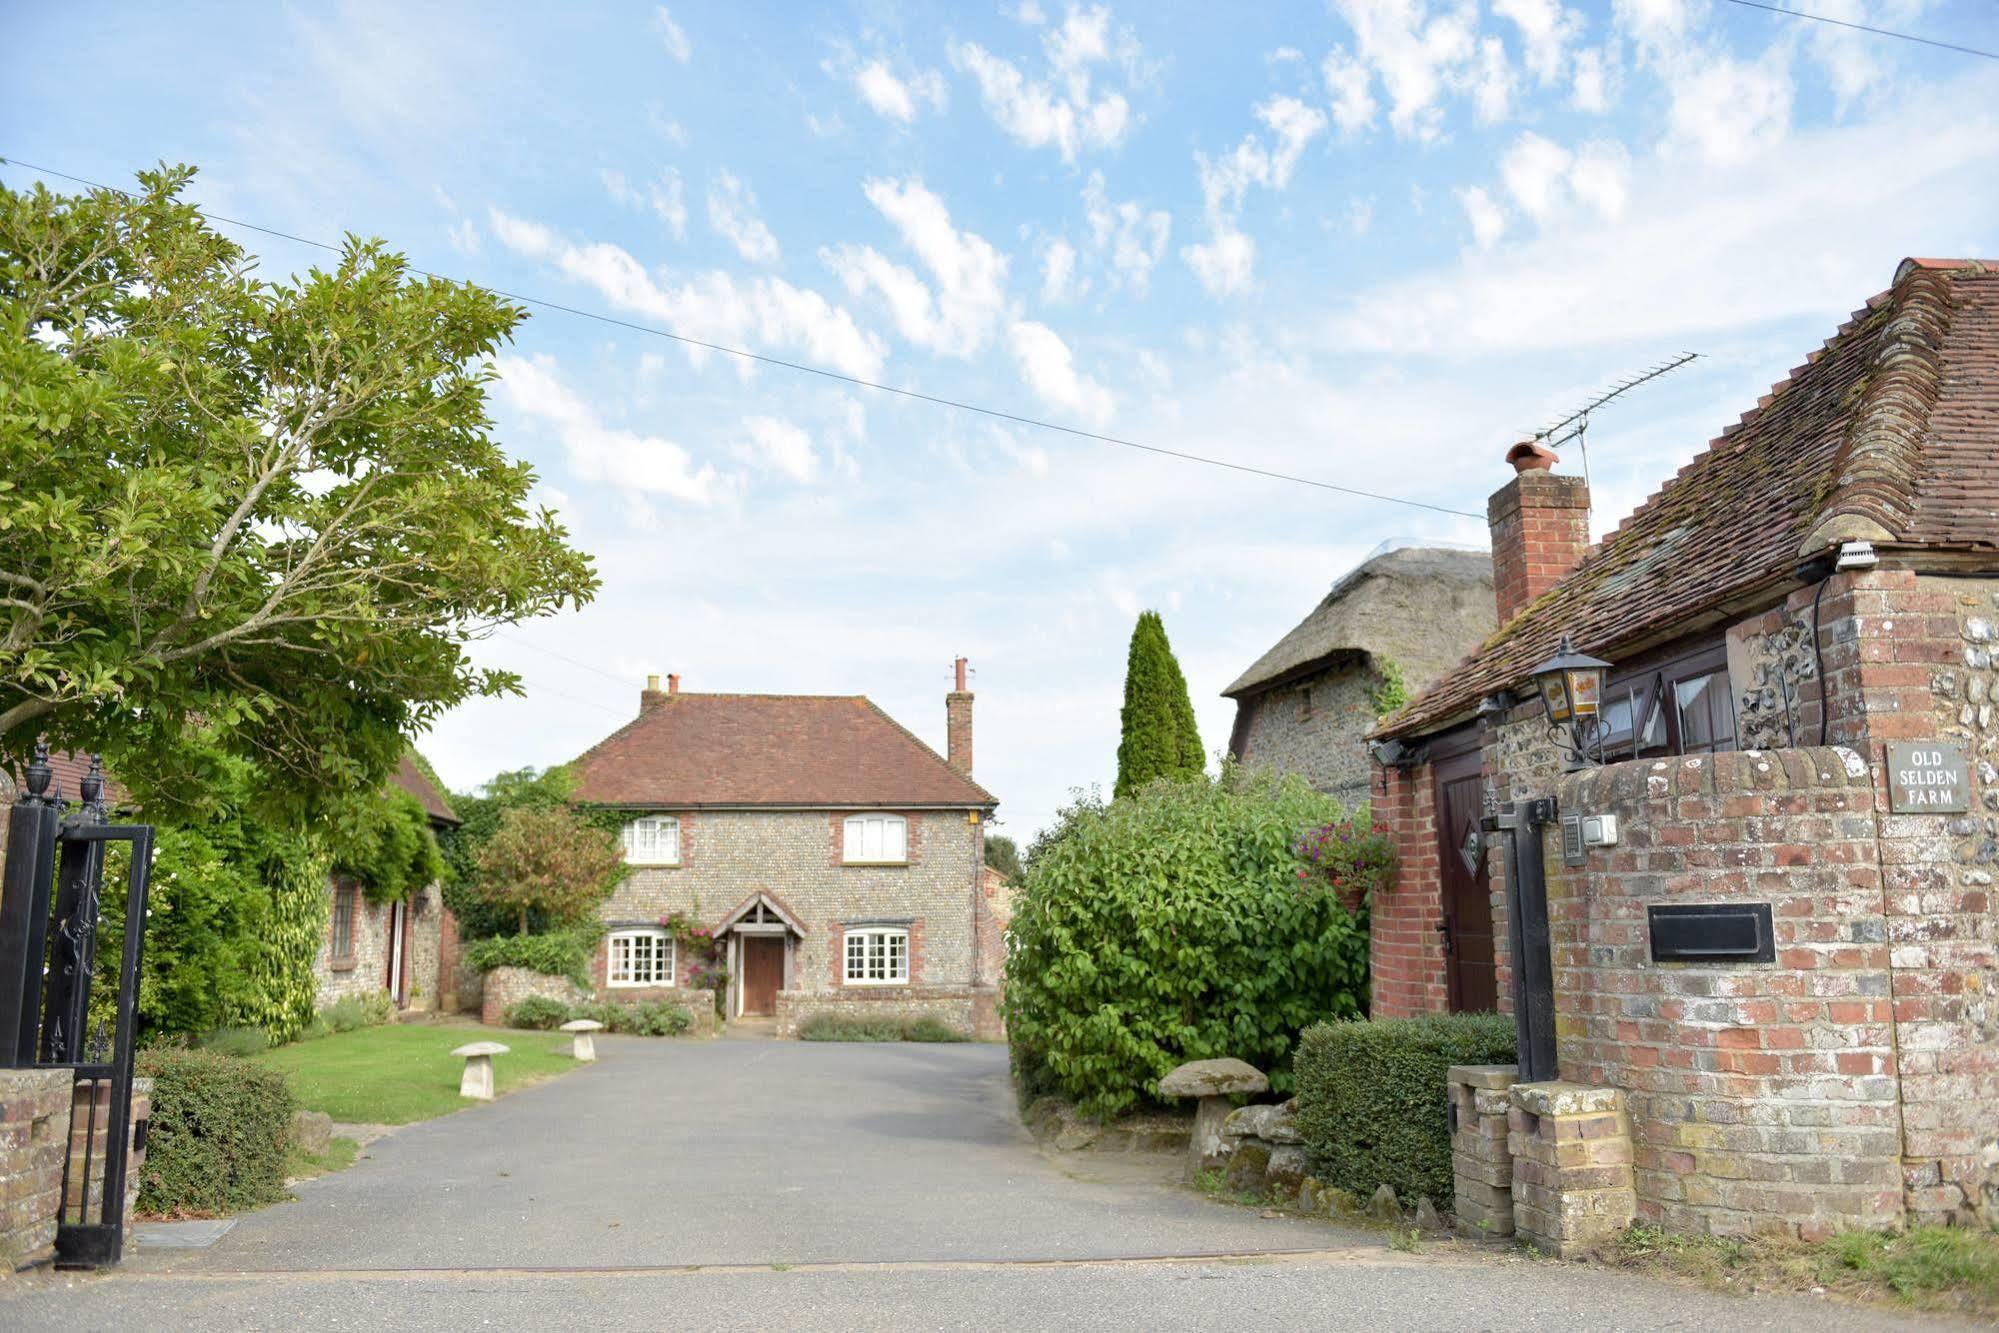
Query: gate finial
[(92, 787), (39, 774)]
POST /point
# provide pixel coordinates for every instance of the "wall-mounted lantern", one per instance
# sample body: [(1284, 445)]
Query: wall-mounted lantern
[(1571, 686)]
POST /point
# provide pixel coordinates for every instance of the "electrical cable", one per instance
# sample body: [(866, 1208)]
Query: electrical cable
[(1862, 27), (804, 368)]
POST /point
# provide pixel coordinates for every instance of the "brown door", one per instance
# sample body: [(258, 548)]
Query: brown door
[(1467, 924), (763, 972)]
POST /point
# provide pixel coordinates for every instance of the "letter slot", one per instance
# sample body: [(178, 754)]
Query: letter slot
[(1711, 933)]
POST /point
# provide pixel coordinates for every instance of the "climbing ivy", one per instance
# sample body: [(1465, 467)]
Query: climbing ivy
[(385, 843), (1390, 690)]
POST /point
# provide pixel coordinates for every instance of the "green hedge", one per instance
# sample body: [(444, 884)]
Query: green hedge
[(862, 1027), (220, 1133), (1372, 1105), (555, 953), (646, 1018)]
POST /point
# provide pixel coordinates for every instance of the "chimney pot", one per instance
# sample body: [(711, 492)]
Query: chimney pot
[(652, 683), (672, 683), (1532, 456), (960, 664)]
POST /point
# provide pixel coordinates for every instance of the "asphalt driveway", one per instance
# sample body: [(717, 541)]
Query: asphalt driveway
[(794, 1185)]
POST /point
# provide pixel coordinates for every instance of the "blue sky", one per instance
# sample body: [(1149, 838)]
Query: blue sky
[(1370, 241)]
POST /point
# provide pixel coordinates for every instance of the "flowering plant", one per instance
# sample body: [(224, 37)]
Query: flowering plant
[(699, 946), (1350, 858)]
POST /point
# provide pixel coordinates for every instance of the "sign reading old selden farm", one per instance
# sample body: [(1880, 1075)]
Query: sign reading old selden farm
[(1928, 778)]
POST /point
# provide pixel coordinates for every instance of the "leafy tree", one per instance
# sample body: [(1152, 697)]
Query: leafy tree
[(1184, 923), (385, 843), (546, 861), (1159, 738), (1003, 855), (479, 815), (271, 509)]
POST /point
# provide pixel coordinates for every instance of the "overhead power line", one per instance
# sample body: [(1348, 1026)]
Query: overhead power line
[(804, 368), (1862, 27)]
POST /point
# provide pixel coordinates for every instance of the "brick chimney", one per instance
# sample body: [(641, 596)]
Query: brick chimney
[(958, 724), (652, 696), (1540, 527)]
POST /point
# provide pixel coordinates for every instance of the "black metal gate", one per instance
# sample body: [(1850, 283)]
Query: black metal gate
[(49, 918)]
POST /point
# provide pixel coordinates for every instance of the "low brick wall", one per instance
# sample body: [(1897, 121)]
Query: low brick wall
[(91, 1124), (957, 1006), (34, 1129), (507, 986), (1571, 1148)]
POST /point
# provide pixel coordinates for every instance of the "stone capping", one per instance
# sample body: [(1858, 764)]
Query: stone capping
[(1563, 1099), (1495, 1078)]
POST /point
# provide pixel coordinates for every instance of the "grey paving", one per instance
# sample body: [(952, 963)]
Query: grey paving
[(791, 1185), (198, 1234)]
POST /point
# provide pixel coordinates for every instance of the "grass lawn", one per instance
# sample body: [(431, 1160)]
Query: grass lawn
[(339, 1155), (400, 1072)]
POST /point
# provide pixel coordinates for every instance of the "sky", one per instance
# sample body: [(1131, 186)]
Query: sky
[(1366, 242)]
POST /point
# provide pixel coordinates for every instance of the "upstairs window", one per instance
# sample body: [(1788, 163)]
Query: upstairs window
[(641, 958), (653, 841), (876, 840), (877, 956)]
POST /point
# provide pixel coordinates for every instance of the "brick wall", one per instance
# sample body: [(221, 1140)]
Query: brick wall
[(1316, 727), (1405, 952), (34, 1132), (508, 986), (1760, 1095), (366, 968), (1540, 527)]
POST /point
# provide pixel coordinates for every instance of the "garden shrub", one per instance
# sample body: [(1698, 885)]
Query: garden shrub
[(1180, 924), (1372, 1105), (220, 1133), (559, 953), (867, 1027), (538, 1012), (646, 1018), (358, 1011)]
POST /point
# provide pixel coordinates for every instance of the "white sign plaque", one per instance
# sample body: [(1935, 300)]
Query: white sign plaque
[(1926, 778)]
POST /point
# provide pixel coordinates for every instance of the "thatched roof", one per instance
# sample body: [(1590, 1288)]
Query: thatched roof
[(1421, 607)]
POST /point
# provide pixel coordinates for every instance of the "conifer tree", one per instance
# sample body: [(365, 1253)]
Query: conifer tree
[(1160, 738)]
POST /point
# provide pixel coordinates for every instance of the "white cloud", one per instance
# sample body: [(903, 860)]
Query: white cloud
[(670, 35), (1533, 172), (777, 446), (896, 98), (1490, 79), (1724, 109), (1063, 110), (764, 311), (1058, 272), (1049, 369), (1418, 57), (1134, 236), (664, 197), (1360, 215), (732, 212), (1349, 85), (970, 275), (596, 452), (464, 236), (1601, 177), (666, 127), (1226, 261), (1488, 219), (669, 202), (1594, 87), (1546, 28)]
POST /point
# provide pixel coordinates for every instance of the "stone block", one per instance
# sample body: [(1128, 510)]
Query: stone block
[(312, 1131)]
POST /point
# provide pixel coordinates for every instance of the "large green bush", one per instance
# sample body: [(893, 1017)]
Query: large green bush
[(220, 1133), (1371, 1099), (1179, 924), (542, 1013), (561, 953)]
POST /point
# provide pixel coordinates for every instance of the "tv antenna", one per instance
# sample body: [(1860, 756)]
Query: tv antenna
[(1575, 426)]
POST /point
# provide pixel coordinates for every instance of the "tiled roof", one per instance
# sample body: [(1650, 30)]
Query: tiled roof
[(69, 766), (411, 777), (1888, 433), (686, 750)]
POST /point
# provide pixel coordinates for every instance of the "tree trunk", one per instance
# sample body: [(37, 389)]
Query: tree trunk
[(524, 921)]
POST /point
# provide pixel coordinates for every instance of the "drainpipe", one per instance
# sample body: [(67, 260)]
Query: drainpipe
[(1527, 929)]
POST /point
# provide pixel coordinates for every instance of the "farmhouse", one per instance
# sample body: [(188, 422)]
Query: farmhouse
[(837, 858)]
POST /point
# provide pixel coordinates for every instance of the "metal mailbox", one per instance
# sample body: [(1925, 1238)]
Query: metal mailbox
[(1711, 933)]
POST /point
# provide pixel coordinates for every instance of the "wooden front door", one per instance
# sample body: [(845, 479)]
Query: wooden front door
[(1467, 925), (763, 972)]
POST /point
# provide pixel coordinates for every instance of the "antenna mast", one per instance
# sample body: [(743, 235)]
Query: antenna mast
[(1575, 426)]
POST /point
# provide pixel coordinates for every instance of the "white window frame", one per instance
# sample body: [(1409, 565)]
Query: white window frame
[(652, 840), (854, 838), (665, 957), (893, 955)]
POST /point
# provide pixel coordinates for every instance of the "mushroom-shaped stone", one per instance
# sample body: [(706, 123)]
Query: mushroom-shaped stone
[(478, 1080), (584, 1046), (1213, 1082)]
